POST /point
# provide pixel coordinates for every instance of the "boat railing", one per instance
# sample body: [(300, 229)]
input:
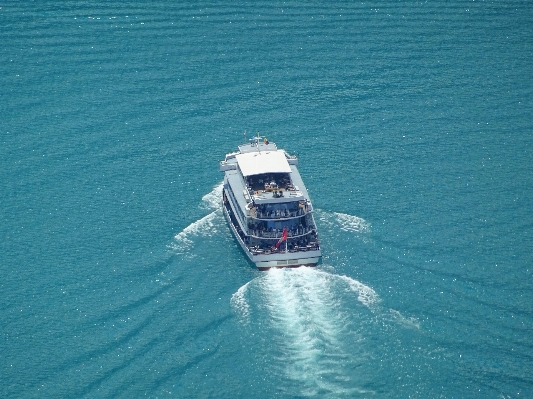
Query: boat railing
[(311, 246), (299, 232), (224, 166), (281, 213)]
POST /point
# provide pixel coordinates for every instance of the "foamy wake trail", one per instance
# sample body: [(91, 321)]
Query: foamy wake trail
[(213, 200), (239, 303), (366, 295), (309, 332), (310, 322), (407, 322), (344, 222), (204, 227)]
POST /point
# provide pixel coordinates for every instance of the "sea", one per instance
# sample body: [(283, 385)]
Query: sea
[(413, 125)]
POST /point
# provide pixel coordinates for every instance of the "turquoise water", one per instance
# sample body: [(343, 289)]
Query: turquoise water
[(413, 125)]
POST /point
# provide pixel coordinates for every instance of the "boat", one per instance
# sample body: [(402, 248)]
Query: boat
[(267, 206)]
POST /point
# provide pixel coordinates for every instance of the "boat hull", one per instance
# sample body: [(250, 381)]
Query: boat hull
[(269, 264)]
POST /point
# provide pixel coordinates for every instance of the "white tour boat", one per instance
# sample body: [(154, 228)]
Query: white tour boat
[(267, 206)]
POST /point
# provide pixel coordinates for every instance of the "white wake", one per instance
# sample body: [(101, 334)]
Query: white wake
[(213, 200), (344, 222), (207, 226), (307, 315)]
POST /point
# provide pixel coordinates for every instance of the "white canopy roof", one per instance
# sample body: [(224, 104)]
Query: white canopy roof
[(255, 163)]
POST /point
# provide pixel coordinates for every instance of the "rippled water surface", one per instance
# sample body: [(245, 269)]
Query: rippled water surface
[(413, 125)]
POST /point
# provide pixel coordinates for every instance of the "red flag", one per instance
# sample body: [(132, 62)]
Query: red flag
[(283, 237)]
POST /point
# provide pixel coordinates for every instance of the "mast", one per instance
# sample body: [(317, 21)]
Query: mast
[(256, 139)]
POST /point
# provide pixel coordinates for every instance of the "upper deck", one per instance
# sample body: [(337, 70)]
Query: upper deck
[(257, 146), (260, 173)]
